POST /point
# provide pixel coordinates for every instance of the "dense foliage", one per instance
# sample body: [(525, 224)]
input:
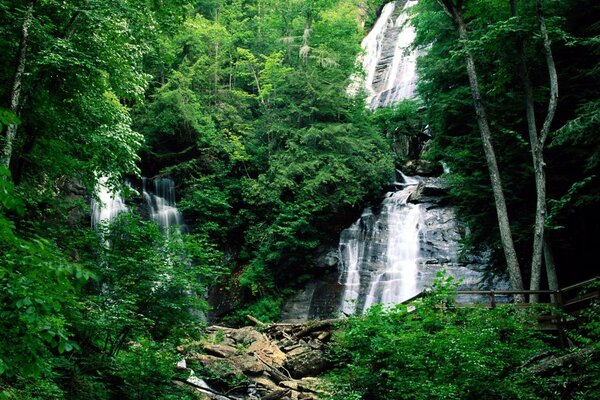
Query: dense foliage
[(245, 104), (254, 122), (432, 350)]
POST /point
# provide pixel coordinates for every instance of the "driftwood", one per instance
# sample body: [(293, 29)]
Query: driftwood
[(275, 373), (255, 320), (219, 328), (317, 326)]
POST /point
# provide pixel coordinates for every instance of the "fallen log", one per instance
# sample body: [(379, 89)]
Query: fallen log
[(255, 320), (317, 326), (275, 373)]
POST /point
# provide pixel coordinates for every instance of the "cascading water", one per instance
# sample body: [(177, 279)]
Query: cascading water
[(161, 204), (388, 62), (379, 252), (159, 200), (107, 205), (395, 250)]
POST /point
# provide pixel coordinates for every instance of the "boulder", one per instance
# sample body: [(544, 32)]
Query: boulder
[(267, 351), (423, 168), (432, 191), (305, 361), (248, 364), (220, 350), (245, 335), (327, 258)]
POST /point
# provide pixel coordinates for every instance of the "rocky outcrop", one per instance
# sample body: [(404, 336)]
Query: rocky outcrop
[(439, 236), (276, 361), (432, 191), (423, 168)]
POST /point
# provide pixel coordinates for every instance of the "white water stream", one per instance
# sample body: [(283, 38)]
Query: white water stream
[(108, 205), (379, 252), (388, 63), (161, 203), (159, 198)]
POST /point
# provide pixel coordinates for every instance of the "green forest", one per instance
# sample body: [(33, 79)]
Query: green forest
[(245, 105)]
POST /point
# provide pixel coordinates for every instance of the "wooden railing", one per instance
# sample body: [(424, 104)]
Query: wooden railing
[(570, 300)]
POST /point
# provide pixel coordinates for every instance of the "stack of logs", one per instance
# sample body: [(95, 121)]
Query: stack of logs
[(268, 361)]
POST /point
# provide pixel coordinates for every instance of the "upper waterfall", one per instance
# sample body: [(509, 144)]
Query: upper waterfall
[(388, 62)]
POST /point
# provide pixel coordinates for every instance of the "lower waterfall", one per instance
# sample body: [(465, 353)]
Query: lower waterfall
[(378, 254), (107, 205)]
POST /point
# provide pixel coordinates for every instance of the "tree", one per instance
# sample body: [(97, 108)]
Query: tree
[(454, 10), (537, 141)]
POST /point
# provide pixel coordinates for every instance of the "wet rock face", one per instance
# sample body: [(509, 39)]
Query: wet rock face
[(438, 237), (432, 191), (423, 168)]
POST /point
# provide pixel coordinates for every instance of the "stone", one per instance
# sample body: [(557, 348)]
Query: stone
[(289, 384), (305, 362), (423, 168), (432, 191), (315, 344), (267, 383), (327, 258), (267, 351), (245, 335), (204, 359), (248, 364), (311, 384), (220, 350)]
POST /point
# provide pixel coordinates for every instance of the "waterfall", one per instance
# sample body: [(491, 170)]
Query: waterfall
[(388, 62), (379, 253), (108, 203), (394, 250), (159, 198), (160, 201)]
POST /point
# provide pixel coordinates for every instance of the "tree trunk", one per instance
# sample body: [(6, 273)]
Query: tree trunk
[(537, 151), (539, 174), (510, 254), (11, 130), (550, 265)]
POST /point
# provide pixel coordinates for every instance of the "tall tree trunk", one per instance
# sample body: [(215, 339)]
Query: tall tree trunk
[(538, 168), (537, 148), (510, 254), (11, 131), (540, 172)]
